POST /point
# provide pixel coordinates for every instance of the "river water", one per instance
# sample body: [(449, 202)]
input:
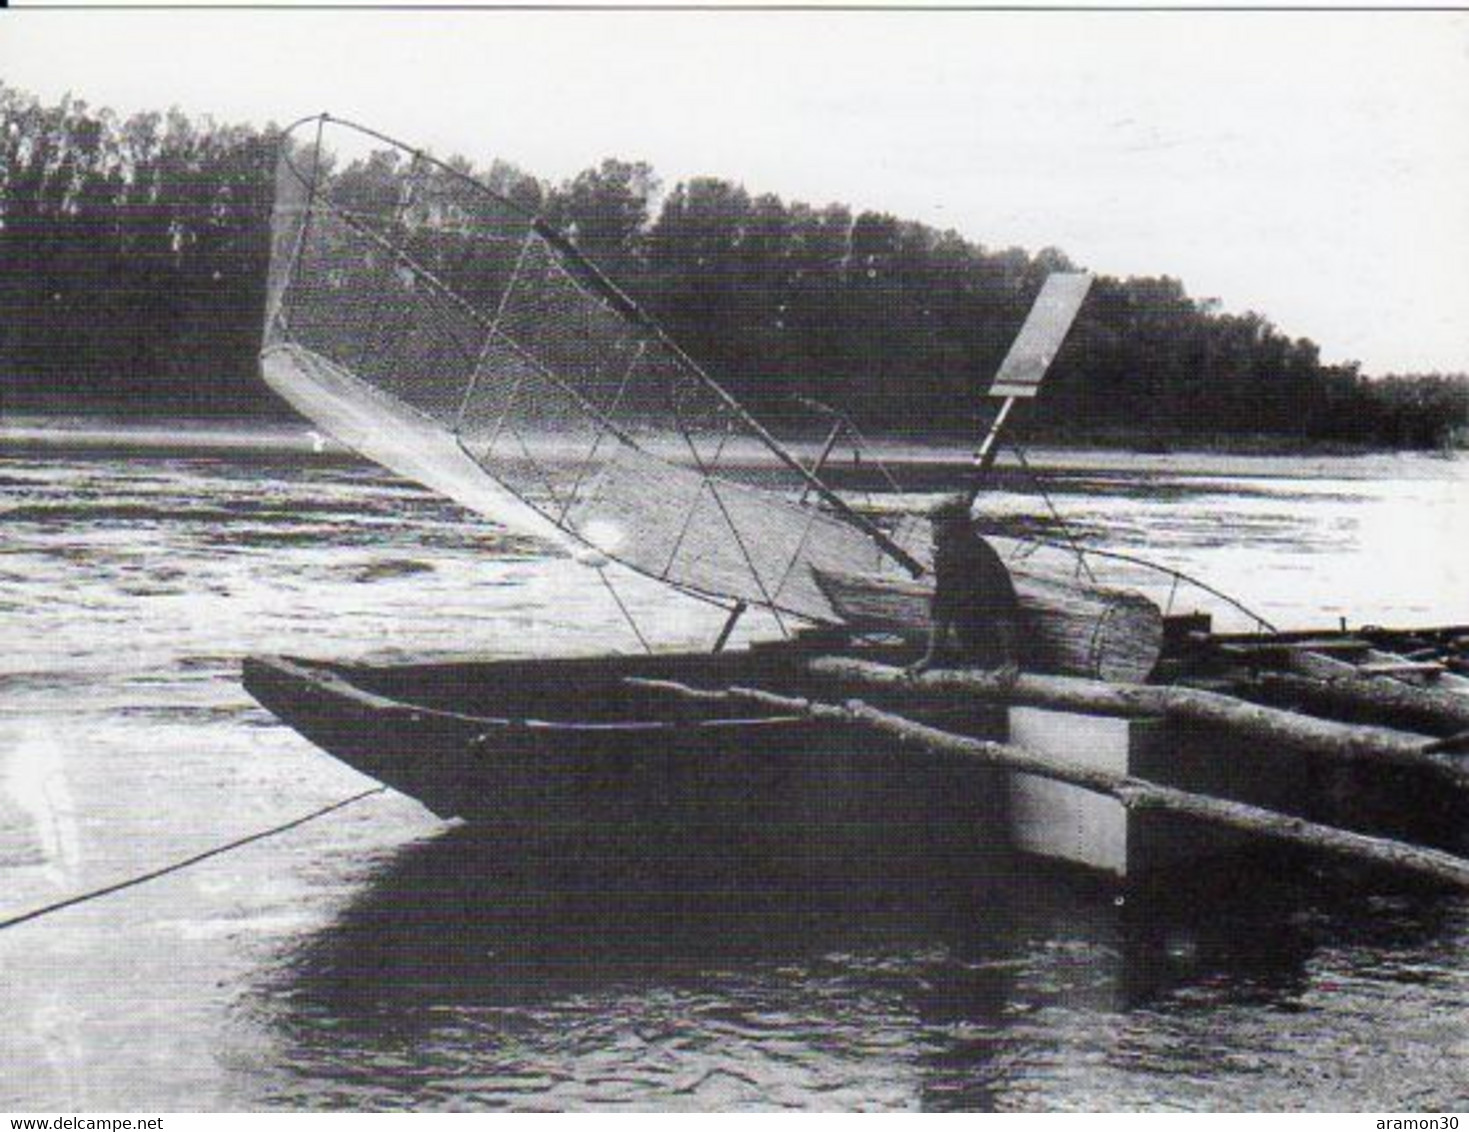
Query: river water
[(378, 958)]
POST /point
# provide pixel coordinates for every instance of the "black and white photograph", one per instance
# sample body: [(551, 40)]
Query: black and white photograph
[(734, 559)]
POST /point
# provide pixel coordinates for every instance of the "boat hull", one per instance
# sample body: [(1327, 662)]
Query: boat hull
[(639, 771), (574, 758)]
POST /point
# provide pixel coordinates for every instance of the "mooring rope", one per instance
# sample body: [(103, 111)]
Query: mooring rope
[(143, 878)]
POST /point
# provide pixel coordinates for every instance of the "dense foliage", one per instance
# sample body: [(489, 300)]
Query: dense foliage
[(133, 257)]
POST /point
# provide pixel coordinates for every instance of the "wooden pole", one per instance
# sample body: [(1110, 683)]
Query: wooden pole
[(1366, 697), (1449, 709), (1132, 793), (1269, 727), (989, 447), (735, 613)]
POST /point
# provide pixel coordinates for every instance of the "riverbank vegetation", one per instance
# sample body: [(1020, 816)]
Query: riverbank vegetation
[(133, 258)]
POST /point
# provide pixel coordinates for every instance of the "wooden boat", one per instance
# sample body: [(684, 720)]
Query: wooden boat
[(565, 756), (581, 757)]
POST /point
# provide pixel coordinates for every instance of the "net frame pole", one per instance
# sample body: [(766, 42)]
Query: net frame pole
[(823, 457), (623, 609), (735, 613), (293, 274)]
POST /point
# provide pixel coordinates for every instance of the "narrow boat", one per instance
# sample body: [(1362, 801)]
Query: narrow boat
[(570, 756), (623, 765)]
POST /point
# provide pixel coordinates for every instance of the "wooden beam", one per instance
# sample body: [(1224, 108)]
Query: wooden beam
[(989, 447), (1270, 728), (1361, 698), (1405, 667), (1451, 706), (1133, 793)]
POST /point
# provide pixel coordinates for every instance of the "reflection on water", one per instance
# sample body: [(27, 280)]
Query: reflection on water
[(380, 959), (460, 978)]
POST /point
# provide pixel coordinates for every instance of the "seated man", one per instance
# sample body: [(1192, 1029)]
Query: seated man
[(973, 598)]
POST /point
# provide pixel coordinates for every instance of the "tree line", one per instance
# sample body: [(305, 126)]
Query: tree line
[(133, 256)]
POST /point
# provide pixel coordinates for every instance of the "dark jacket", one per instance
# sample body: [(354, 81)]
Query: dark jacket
[(973, 593)]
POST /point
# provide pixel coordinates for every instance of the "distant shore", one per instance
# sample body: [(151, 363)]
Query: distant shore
[(39, 435)]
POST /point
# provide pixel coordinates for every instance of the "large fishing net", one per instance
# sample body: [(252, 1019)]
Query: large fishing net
[(447, 310)]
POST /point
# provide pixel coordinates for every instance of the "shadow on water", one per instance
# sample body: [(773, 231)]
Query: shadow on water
[(463, 918), (465, 975)]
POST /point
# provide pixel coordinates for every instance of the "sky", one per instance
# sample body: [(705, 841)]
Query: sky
[(1311, 166)]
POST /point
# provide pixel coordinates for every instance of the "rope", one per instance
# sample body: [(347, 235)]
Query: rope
[(142, 878)]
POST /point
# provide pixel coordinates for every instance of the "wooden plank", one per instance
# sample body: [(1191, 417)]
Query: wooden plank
[(1443, 679), (1318, 666)]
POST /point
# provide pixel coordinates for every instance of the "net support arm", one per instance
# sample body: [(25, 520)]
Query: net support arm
[(826, 450), (1030, 356), (989, 447)]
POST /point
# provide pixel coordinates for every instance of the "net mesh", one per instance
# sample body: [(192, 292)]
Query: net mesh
[(425, 286)]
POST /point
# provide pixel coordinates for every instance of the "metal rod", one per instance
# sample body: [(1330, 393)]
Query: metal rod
[(768, 599), (293, 273), (489, 341), (602, 433), (1177, 575), (627, 616), (736, 612), (400, 213), (984, 458), (816, 469), (1081, 562)]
